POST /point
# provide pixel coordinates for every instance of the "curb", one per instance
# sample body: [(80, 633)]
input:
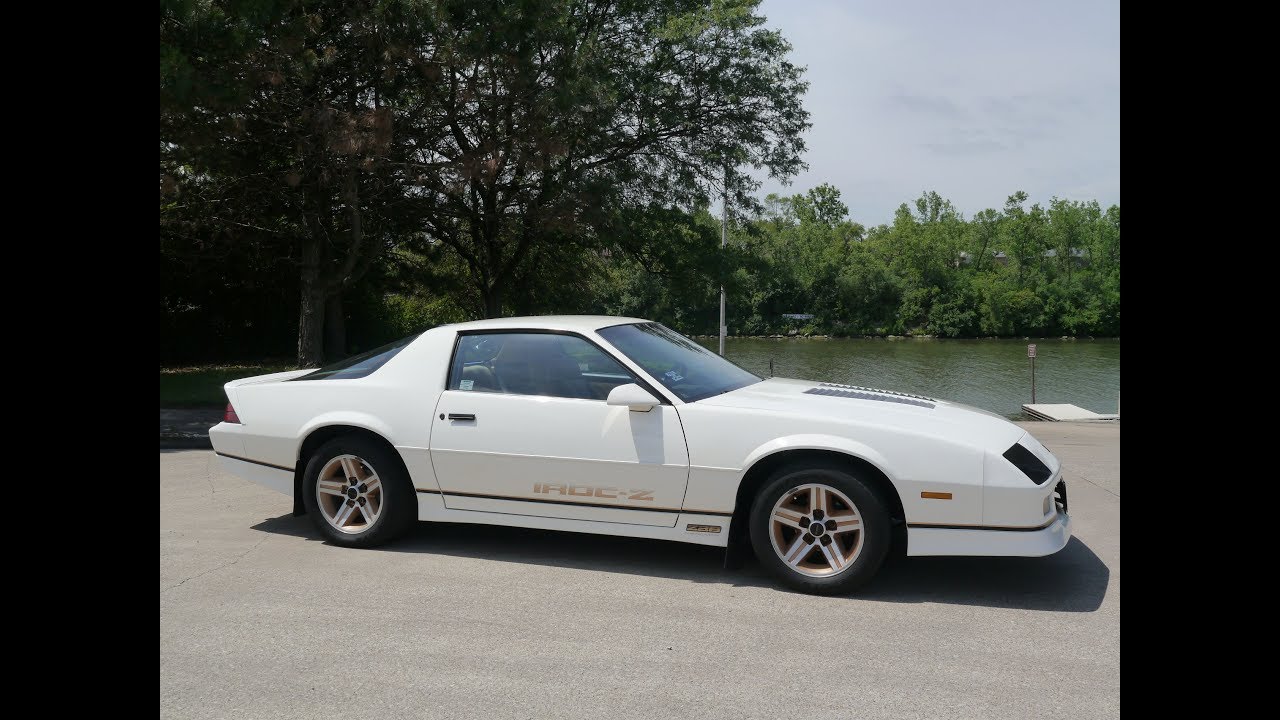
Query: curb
[(184, 441)]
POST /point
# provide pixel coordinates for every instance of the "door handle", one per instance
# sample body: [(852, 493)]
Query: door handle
[(462, 416)]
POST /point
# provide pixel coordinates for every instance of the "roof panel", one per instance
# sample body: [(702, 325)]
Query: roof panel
[(577, 323)]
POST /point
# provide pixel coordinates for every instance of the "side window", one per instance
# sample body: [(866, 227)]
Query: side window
[(535, 364)]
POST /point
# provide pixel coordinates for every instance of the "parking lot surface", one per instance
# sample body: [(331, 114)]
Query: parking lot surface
[(260, 619)]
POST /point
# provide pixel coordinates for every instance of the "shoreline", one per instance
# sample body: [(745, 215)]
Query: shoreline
[(908, 336)]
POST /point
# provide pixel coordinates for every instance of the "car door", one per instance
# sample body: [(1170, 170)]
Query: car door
[(522, 428)]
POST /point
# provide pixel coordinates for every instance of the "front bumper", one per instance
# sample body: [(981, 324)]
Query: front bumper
[(996, 542)]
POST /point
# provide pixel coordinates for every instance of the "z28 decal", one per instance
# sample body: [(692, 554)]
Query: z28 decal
[(610, 493)]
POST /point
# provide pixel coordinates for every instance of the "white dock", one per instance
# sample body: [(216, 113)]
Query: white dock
[(1064, 413)]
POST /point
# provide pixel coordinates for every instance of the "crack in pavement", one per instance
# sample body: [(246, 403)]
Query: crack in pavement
[(1086, 478), (208, 474), (237, 559)]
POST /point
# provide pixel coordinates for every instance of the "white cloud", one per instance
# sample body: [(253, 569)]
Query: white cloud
[(973, 100)]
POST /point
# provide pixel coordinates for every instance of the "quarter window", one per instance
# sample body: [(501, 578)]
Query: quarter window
[(535, 364), (361, 365)]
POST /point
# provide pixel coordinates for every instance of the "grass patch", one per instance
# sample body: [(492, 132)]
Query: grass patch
[(196, 386)]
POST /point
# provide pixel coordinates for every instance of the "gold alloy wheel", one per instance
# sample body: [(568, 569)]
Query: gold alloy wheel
[(816, 530), (349, 494)]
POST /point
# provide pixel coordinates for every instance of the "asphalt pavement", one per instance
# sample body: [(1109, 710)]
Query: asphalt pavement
[(261, 619)]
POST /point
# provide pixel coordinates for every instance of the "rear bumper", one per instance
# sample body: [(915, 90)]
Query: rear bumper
[(1047, 540), (270, 476), (229, 446), (227, 439)]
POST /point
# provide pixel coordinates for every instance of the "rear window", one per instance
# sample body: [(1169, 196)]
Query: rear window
[(362, 365)]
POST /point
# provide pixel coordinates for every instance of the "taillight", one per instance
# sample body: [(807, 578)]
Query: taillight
[(230, 415)]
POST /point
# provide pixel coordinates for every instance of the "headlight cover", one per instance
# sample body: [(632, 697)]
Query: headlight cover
[(1028, 463)]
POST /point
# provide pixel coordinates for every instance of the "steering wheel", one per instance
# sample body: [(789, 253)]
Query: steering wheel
[(487, 348)]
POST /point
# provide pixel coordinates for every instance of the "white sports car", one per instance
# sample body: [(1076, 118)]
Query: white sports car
[(621, 426)]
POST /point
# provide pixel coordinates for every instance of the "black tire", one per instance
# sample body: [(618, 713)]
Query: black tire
[(876, 529), (400, 502)]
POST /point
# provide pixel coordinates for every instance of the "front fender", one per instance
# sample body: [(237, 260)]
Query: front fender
[(714, 485), (820, 442), (940, 486)]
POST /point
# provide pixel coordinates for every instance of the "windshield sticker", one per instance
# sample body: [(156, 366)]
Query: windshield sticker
[(675, 376), (466, 384)]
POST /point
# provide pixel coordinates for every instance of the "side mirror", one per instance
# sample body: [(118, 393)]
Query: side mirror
[(633, 396)]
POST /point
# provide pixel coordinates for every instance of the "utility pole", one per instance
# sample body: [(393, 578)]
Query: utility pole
[(724, 234)]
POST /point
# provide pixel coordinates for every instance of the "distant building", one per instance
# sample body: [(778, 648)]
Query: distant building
[(797, 316), (1078, 255), (1081, 257)]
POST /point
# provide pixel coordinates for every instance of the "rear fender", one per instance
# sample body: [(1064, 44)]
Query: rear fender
[(345, 417)]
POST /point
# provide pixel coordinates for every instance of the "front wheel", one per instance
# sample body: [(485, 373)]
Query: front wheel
[(819, 529), (357, 494)]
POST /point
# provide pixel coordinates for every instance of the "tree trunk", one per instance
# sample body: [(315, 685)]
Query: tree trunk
[(335, 328), (492, 297), (311, 307)]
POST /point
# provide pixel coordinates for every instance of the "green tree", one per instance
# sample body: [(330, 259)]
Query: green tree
[(1024, 234), (821, 205), (1068, 226), (276, 127), (541, 121), (985, 232)]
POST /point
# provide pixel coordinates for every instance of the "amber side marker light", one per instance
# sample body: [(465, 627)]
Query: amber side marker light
[(935, 496)]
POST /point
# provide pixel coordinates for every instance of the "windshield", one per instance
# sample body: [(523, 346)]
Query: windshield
[(358, 366), (684, 367)]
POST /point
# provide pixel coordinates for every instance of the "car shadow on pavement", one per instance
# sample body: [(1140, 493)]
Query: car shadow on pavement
[(1072, 580)]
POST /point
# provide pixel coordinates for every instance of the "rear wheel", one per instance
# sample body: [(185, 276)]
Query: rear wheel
[(820, 529), (357, 493)]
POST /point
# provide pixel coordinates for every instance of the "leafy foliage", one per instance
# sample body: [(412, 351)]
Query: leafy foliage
[(1012, 272), (517, 135), (385, 165)]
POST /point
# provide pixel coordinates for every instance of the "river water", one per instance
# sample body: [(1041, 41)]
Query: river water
[(991, 374)]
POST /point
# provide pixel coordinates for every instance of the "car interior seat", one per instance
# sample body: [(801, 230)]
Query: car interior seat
[(536, 365), (481, 377)]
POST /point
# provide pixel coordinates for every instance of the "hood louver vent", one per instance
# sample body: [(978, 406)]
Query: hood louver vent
[(895, 393), (860, 393)]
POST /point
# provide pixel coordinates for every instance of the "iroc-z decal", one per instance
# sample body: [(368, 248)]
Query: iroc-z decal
[(609, 493)]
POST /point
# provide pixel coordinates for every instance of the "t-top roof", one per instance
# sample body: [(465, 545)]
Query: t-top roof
[(577, 323)]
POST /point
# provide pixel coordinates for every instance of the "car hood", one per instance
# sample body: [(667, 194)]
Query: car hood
[(856, 405)]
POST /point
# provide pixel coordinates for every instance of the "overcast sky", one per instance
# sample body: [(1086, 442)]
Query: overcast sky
[(972, 99)]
